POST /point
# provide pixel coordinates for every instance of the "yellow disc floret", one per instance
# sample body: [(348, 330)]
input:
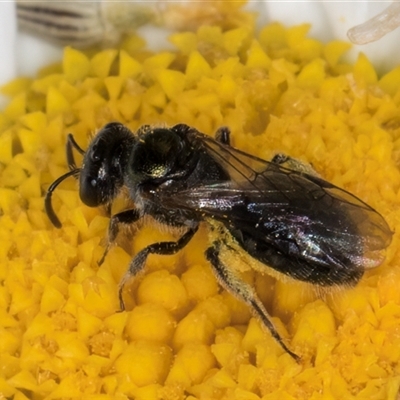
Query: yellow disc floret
[(61, 335)]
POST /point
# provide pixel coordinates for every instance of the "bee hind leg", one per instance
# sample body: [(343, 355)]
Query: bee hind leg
[(231, 282)]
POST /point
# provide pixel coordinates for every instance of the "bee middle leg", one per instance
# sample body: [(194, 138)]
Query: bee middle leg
[(231, 282), (139, 261)]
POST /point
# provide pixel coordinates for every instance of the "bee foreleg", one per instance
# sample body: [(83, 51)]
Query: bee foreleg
[(231, 282), (125, 217), (71, 144), (139, 261)]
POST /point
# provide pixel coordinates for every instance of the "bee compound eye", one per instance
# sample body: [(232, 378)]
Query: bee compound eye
[(89, 191), (95, 157), (94, 153)]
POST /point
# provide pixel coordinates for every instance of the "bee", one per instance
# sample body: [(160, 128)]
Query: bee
[(92, 23), (258, 212)]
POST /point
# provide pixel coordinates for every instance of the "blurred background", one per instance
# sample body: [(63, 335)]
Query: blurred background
[(23, 53)]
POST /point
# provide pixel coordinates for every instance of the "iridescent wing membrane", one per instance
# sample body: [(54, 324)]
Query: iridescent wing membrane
[(296, 223)]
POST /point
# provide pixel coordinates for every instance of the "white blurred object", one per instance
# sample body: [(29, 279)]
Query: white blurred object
[(295, 13), (332, 19), (343, 16), (8, 31), (8, 26), (33, 53), (329, 20), (377, 27)]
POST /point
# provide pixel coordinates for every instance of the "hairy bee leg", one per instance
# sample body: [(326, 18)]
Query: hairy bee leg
[(223, 135), (244, 292), (139, 261), (294, 164), (126, 217), (71, 144)]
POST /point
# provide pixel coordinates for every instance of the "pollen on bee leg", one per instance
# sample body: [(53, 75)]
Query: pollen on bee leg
[(231, 281)]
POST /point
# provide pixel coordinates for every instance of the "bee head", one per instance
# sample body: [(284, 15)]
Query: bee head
[(101, 174)]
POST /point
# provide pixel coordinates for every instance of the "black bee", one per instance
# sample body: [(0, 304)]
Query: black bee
[(260, 213)]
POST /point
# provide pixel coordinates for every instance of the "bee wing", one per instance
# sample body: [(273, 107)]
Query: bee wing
[(297, 223)]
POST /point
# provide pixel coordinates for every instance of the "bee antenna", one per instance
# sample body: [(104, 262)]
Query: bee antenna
[(47, 200)]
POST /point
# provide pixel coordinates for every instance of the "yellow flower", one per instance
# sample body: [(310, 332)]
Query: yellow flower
[(183, 337)]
